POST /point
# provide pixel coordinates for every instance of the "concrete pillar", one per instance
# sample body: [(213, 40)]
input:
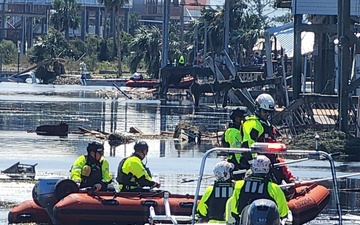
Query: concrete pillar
[(3, 19), (126, 20), (83, 23), (86, 21), (30, 37), (23, 34), (112, 24), (97, 21)]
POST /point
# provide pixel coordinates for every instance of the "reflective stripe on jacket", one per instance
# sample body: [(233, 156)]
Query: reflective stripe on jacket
[(252, 189), (213, 202)]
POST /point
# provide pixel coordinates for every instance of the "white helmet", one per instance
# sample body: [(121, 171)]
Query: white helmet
[(223, 170), (260, 165), (265, 101)]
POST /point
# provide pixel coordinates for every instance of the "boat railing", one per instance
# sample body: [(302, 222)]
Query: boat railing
[(167, 217), (311, 154)]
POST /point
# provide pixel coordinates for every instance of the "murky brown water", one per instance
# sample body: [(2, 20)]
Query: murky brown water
[(24, 107)]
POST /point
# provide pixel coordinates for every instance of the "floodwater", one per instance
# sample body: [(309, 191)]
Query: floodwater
[(23, 107)]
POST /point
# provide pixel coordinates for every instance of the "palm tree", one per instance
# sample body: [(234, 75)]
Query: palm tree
[(116, 5), (146, 46), (66, 16)]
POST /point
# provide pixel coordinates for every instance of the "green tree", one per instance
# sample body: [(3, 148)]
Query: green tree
[(52, 45), (65, 16), (146, 45), (133, 23), (8, 51)]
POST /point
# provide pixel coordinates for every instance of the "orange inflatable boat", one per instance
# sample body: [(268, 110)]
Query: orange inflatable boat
[(102, 208), (307, 202), (133, 208)]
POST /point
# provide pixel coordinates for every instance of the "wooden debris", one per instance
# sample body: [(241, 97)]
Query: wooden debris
[(53, 130), (135, 130), (187, 132)]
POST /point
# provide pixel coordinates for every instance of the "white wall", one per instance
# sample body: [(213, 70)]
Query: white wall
[(322, 7)]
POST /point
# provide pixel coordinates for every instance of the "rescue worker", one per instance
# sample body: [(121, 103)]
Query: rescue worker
[(92, 170), (257, 127), (211, 207), (233, 137), (181, 60), (132, 174), (253, 188)]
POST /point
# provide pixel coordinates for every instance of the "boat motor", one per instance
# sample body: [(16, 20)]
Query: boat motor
[(43, 191), (260, 212), (48, 191)]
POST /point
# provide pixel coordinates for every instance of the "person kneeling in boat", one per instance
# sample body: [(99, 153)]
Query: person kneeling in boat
[(280, 174), (257, 185), (211, 207), (132, 174), (92, 170)]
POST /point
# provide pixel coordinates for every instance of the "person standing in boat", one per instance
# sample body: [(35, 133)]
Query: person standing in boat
[(233, 137), (181, 60), (92, 170), (211, 207), (257, 128), (132, 174), (257, 185)]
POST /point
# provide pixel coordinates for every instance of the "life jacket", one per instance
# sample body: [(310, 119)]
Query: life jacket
[(216, 203), (254, 188), (224, 143), (128, 181), (123, 178), (269, 134), (95, 174)]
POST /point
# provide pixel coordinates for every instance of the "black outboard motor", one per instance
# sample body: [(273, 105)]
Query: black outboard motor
[(260, 212)]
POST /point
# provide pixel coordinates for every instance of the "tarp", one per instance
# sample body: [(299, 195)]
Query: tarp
[(285, 36)]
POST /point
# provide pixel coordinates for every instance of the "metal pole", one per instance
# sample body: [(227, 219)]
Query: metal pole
[(165, 33), (19, 50), (344, 61)]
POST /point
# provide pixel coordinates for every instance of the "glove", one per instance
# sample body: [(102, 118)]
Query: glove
[(77, 183), (156, 184), (297, 183), (96, 187)]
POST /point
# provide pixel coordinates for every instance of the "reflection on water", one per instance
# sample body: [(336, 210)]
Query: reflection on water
[(23, 107)]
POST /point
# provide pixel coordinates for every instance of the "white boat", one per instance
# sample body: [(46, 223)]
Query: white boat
[(86, 80), (28, 77)]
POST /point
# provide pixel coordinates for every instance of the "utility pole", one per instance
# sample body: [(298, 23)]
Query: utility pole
[(344, 62), (165, 33)]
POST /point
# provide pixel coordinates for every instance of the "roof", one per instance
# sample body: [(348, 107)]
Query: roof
[(285, 35)]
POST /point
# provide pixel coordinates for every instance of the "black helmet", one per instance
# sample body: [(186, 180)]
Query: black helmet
[(238, 112), (95, 147), (140, 146)]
